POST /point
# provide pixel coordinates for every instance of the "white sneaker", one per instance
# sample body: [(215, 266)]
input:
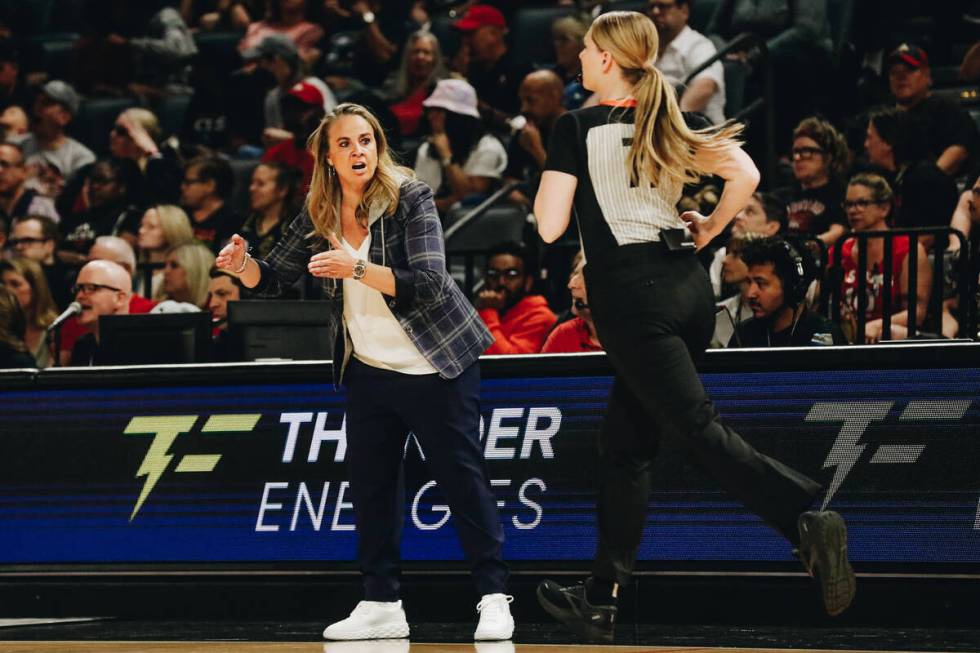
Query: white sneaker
[(495, 620), (371, 620)]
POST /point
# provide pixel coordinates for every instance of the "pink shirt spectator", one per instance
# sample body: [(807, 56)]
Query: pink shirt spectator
[(305, 35)]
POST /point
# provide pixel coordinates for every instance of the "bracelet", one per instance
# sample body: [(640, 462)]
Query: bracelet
[(448, 161), (244, 263)]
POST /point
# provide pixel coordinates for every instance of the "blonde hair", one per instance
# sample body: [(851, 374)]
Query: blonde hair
[(145, 119), (196, 260), (175, 224), (663, 148), (570, 27), (323, 200), (42, 310)]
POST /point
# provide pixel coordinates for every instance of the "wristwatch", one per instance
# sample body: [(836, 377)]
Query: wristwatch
[(368, 17), (360, 269)]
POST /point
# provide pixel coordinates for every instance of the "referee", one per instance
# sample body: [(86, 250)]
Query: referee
[(621, 167)]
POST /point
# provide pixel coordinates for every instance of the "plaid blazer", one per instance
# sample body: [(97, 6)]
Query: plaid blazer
[(428, 304)]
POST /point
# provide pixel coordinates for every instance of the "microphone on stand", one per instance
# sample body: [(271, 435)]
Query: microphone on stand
[(73, 309)]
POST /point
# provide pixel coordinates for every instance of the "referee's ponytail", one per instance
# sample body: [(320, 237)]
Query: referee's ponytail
[(663, 148)]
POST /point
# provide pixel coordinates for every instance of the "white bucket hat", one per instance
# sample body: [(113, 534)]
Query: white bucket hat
[(454, 95)]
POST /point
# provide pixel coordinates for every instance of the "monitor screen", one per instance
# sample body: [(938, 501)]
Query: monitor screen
[(154, 338), (280, 330)]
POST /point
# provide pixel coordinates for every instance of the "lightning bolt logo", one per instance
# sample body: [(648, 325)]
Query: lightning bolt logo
[(846, 450), (857, 416), (165, 430)]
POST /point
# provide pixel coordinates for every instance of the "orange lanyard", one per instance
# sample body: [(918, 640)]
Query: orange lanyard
[(628, 102)]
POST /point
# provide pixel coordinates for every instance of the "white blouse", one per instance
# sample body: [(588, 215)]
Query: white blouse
[(377, 337)]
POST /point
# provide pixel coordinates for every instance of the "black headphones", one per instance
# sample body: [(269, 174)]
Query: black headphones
[(794, 289)]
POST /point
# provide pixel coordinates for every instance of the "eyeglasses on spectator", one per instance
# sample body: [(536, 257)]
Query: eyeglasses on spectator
[(509, 273), (90, 288)]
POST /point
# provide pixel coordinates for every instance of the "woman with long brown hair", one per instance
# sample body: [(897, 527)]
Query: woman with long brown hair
[(26, 280), (407, 351), (274, 196), (621, 167), (13, 328)]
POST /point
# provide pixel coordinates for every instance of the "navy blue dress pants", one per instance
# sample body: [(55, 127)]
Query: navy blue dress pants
[(382, 408)]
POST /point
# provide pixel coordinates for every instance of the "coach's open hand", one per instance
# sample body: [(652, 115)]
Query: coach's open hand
[(333, 264)]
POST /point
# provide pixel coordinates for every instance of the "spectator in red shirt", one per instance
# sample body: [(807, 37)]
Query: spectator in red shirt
[(302, 111), (422, 66), (868, 205), (577, 334), (519, 321), (105, 248)]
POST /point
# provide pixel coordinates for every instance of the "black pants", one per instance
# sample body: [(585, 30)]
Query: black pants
[(382, 407), (654, 313)]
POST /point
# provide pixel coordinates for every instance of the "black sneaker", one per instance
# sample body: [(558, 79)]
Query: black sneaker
[(571, 606), (823, 551)]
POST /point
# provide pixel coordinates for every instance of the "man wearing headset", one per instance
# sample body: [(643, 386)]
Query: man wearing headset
[(777, 285)]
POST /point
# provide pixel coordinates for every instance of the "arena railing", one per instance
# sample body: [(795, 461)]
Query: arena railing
[(470, 255), (965, 282), (481, 208), (758, 51)]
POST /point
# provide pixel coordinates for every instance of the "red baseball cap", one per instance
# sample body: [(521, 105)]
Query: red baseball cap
[(910, 55), (479, 15), (307, 93)]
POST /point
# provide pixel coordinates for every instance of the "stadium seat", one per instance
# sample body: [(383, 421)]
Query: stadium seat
[(340, 54), (171, 111), (701, 13), (51, 53), (218, 50), (499, 224), (959, 49), (840, 14), (95, 118), (442, 29), (530, 34), (967, 96), (945, 76), (625, 5), (67, 17), (30, 16), (736, 81), (701, 10), (243, 169)]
